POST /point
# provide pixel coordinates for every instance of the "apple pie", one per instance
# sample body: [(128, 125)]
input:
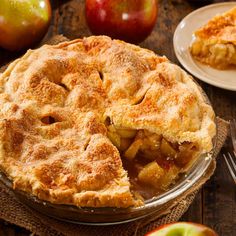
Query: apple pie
[(96, 122), (215, 42)]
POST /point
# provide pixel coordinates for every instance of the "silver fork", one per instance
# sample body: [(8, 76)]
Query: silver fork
[(231, 159), (231, 163)]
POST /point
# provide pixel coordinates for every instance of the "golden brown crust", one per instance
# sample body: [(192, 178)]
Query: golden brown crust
[(54, 102), (221, 27)]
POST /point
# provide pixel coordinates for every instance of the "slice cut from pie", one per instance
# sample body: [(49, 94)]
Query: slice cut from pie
[(97, 122), (215, 42)]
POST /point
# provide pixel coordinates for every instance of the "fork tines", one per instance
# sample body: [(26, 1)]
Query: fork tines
[(231, 163)]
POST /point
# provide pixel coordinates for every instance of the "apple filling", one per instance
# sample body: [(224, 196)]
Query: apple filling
[(152, 162), (219, 55)]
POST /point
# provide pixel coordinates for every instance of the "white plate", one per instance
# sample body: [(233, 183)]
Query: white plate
[(183, 37)]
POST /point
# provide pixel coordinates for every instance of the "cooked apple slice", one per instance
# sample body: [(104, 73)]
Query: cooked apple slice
[(151, 174), (167, 149), (133, 149), (182, 229)]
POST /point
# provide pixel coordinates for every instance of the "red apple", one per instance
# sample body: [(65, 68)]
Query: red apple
[(23, 23), (129, 20), (182, 229)]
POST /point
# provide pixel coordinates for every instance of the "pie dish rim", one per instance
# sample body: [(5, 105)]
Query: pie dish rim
[(150, 206)]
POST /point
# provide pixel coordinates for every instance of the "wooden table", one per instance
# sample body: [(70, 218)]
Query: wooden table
[(215, 204)]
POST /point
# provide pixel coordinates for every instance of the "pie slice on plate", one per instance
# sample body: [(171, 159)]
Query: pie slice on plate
[(215, 42), (97, 122)]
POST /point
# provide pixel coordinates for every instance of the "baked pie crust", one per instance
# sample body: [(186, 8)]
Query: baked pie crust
[(215, 42), (72, 112)]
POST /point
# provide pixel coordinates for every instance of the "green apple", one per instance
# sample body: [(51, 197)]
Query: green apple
[(23, 22), (182, 229)]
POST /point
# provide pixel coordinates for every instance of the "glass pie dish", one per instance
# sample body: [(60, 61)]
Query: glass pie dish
[(111, 216), (91, 150)]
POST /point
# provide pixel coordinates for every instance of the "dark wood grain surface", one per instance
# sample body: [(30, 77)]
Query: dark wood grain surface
[(215, 204)]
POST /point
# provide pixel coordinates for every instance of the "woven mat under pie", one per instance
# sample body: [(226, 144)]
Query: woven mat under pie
[(11, 210)]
